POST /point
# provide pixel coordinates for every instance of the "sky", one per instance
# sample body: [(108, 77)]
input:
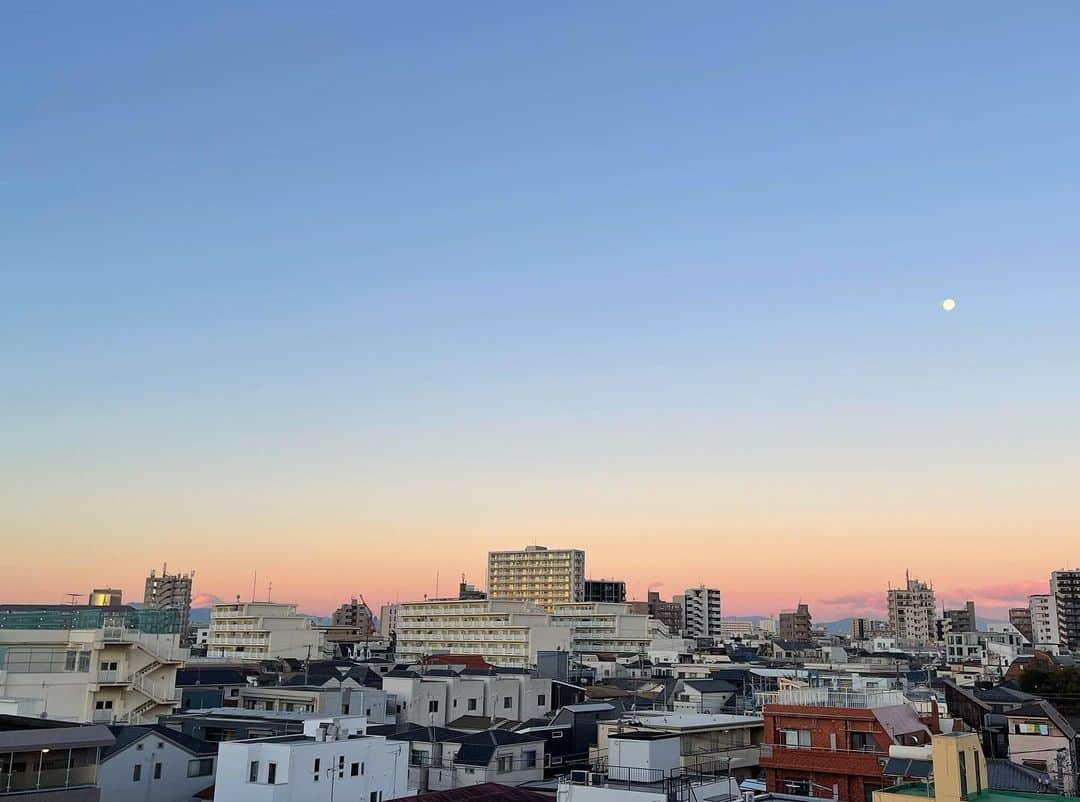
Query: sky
[(339, 298)]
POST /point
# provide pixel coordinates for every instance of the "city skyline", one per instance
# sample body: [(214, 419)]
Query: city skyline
[(353, 296)]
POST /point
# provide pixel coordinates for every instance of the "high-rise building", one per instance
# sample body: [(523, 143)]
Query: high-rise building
[(170, 592), (537, 575), (1065, 589), (795, 624), (1043, 620), (1020, 617), (260, 631), (867, 628), (105, 597), (701, 613), (962, 620), (355, 614), (912, 612), (388, 619), (611, 591)]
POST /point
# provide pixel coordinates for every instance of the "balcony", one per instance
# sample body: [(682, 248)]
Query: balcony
[(804, 758), (828, 697)]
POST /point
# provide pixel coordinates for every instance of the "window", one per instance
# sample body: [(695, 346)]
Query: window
[(506, 763), (472, 704), (419, 757), (374, 797), (271, 773), (157, 771), (200, 767), (341, 767), (508, 702), (556, 735), (69, 660), (863, 742), (84, 661), (963, 776), (136, 772), (103, 704), (433, 706), (253, 771), (796, 739), (355, 772), (797, 786), (455, 703), (541, 699), (529, 756), (315, 770)]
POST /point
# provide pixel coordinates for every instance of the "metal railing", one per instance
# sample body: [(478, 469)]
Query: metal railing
[(828, 697)]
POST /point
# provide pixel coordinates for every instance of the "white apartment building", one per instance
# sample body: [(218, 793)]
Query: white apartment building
[(388, 619), (441, 698), (169, 592), (103, 665), (537, 575), (729, 629), (912, 615), (260, 630), (504, 633), (335, 759), (603, 627), (701, 613), (1044, 629)]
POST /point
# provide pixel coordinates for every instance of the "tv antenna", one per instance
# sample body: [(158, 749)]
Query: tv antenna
[(73, 597)]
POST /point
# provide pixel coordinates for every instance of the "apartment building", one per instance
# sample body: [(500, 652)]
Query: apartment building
[(1065, 590), (601, 628), (170, 592), (827, 743), (469, 698), (537, 575), (701, 613), (912, 612), (1020, 617), (962, 620), (504, 633), (90, 664), (605, 590), (1044, 626), (795, 625), (388, 619), (261, 630), (334, 759), (44, 760), (867, 628)]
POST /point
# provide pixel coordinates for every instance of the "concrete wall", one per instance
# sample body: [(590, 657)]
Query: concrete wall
[(115, 775)]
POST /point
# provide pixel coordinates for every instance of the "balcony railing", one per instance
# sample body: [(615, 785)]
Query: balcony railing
[(828, 697)]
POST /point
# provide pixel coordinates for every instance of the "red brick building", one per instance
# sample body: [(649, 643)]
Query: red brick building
[(834, 744)]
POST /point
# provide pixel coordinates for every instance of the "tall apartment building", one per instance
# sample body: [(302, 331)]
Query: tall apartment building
[(353, 613), (537, 575), (170, 592), (261, 630), (795, 624), (1043, 620), (962, 620), (867, 628), (701, 613), (504, 633), (912, 612), (670, 613), (1065, 589), (605, 590), (1020, 617), (105, 665), (388, 619)]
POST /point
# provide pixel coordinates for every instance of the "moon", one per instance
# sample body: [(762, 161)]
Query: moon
[(948, 304)]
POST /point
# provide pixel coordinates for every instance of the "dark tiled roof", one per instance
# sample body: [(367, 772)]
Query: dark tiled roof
[(483, 792), (128, 735), (400, 672), (710, 685), (497, 738), (1004, 775), (210, 676), (427, 734)]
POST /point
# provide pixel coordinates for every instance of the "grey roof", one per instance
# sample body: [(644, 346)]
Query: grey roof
[(899, 720), (193, 676), (589, 707), (19, 733), (427, 734), (710, 685), (129, 735)]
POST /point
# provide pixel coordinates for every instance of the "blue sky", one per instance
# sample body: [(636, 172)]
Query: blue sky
[(251, 250)]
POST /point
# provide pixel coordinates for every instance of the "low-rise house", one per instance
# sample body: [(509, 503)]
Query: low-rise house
[(156, 763), (1040, 738), (703, 696), (440, 696), (441, 758), (236, 724), (203, 687), (44, 760), (334, 759), (324, 695)]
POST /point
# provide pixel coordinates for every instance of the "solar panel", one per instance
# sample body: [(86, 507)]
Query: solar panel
[(905, 767)]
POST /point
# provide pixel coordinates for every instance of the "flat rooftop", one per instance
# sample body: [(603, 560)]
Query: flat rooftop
[(687, 721), (988, 795)]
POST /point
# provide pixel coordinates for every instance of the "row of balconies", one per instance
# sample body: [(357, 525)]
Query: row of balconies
[(457, 638)]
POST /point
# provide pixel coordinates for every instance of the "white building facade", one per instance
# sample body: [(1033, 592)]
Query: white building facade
[(701, 613), (504, 633), (912, 614), (601, 627), (261, 630)]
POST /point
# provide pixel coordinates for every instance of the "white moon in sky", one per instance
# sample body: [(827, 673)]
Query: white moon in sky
[(948, 304)]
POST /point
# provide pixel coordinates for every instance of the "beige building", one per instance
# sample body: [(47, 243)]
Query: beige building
[(537, 575), (169, 592), (90, 664), (912, 615), (603, 627), (261, 630), (505, 633)]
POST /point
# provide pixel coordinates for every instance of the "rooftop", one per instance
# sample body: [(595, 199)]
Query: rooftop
[(72, 616), (990, 795)]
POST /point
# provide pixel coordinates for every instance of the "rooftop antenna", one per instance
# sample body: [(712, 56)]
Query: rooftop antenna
[(254, 577), (436, 584), (73, 597), (269, 587)]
